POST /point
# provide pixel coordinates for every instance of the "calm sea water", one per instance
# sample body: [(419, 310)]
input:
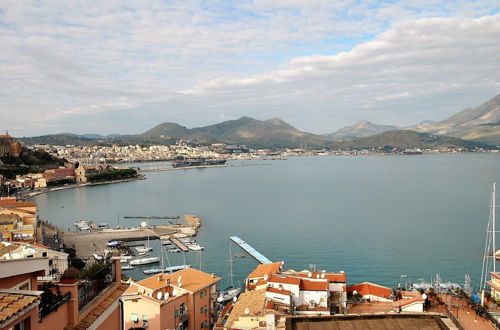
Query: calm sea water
[(373, 217)]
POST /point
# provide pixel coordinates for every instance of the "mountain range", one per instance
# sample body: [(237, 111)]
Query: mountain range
[(479, 125)]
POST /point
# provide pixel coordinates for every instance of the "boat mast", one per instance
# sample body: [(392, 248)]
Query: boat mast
[(230, 265), (493, 225)]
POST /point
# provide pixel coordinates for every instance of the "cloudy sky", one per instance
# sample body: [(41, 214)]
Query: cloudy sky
[(119, 66)]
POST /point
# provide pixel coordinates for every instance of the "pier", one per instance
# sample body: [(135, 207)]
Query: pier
[(151, 217), (250, 250), (179, 244)]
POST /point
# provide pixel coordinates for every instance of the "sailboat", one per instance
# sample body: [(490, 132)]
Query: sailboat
[(163, 269), (491, 255), (230, 292), (146, 248)]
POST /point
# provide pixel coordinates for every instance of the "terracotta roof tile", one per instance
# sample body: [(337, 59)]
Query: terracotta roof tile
[(308, 285), (265, 269), (14, 303), (284, 279), (191, 279), (274, 290), (367, 288)]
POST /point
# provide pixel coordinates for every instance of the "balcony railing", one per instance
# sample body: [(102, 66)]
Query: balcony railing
[(50, 304), (91, 288)]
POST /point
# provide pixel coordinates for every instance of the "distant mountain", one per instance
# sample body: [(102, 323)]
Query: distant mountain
[(361, 128), (477, 124), (58, 139), (272, 133), (404, 139)]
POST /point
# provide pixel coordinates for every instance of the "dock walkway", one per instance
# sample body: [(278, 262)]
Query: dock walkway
[(179, 244), (250, 250)]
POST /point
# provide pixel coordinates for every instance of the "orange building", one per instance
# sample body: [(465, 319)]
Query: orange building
[(24, 306), (18, 221), (184, 299), (9, 147)]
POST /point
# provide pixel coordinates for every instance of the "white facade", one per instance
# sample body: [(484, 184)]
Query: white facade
[(282, 298), (313, 298)]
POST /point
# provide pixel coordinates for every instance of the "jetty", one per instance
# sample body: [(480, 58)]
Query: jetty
[(250, 250), (179, 244)]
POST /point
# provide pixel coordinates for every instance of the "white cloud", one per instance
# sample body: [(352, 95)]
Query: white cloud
[(125, 66)]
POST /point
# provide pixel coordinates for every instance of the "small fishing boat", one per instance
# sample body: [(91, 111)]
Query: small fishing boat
[(143, 249)]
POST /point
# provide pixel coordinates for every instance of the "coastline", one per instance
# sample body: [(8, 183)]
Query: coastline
[(78, 185)]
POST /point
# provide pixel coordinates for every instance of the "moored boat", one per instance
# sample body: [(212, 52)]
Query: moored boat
[(144, 261)]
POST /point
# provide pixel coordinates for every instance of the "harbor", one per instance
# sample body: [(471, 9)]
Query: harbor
[(90, 242)]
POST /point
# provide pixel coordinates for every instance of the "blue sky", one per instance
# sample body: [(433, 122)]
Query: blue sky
[(125, 66)]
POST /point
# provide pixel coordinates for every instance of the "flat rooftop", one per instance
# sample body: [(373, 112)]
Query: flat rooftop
[(389, 322)]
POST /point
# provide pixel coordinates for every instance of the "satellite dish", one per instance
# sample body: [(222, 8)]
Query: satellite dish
[(317, 276), (144, 224), (235, 298), (174, 293), (355, 292), (165, 296), (266, 277), (309, 274), (424, 296), (247, 311), (159, 295), (323, 275)]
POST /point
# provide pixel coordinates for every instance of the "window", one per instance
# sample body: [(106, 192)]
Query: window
[(201, 310), (206, 309), (25, 285), (135, 318), (202, 325)]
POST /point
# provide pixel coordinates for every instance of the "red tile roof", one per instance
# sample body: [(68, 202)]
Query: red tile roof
[(367, 288), (405, 302), (284, 280), (274, 290), (411, 294), (14, 303), (265, 269), (307, 285)]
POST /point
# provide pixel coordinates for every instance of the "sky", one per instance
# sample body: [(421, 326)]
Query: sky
[(120, 66)]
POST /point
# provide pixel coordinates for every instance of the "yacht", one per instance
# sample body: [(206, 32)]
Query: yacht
[(144, 261)]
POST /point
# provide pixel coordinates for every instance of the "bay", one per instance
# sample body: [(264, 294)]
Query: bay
[(373, 217)]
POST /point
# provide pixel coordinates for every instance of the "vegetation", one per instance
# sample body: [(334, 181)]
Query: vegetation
[(113, 175), (74, 261), (70, 273)]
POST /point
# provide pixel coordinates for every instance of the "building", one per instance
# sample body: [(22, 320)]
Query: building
[(27, 302), (18, 221), (9, 147), (251, 311), (371, 292), (184, 299), (257, 279), (409, 305)]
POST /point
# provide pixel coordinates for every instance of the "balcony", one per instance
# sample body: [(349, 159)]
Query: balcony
[(94, 285)]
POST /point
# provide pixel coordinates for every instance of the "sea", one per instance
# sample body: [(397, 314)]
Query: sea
[(382, 219)]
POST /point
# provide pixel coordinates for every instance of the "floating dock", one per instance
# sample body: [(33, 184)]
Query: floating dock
[(250, 250), (179, 244)]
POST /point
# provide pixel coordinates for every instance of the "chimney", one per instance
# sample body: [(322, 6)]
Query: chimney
[(160, 277), (213, 275), (168, 280)]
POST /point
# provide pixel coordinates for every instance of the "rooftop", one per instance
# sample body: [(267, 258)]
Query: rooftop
[(265, 269), (367, 288), (255, 301), (285, 279), (14, 302), (308, 285), (406, 302), (192, 280)]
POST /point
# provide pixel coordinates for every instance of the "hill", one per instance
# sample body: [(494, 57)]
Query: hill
[(404, 139), (361, 128), (272, 133), (480, 124)]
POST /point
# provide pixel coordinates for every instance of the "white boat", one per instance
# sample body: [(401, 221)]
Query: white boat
[(194, 247), (230, 292), (166, 242), (165, 270), (144, 261), (142, 249), (127, 267), (114, 243), (125, 258), (103, 225)]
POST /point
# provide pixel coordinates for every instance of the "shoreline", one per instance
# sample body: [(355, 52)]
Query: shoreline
[(79, 185)]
